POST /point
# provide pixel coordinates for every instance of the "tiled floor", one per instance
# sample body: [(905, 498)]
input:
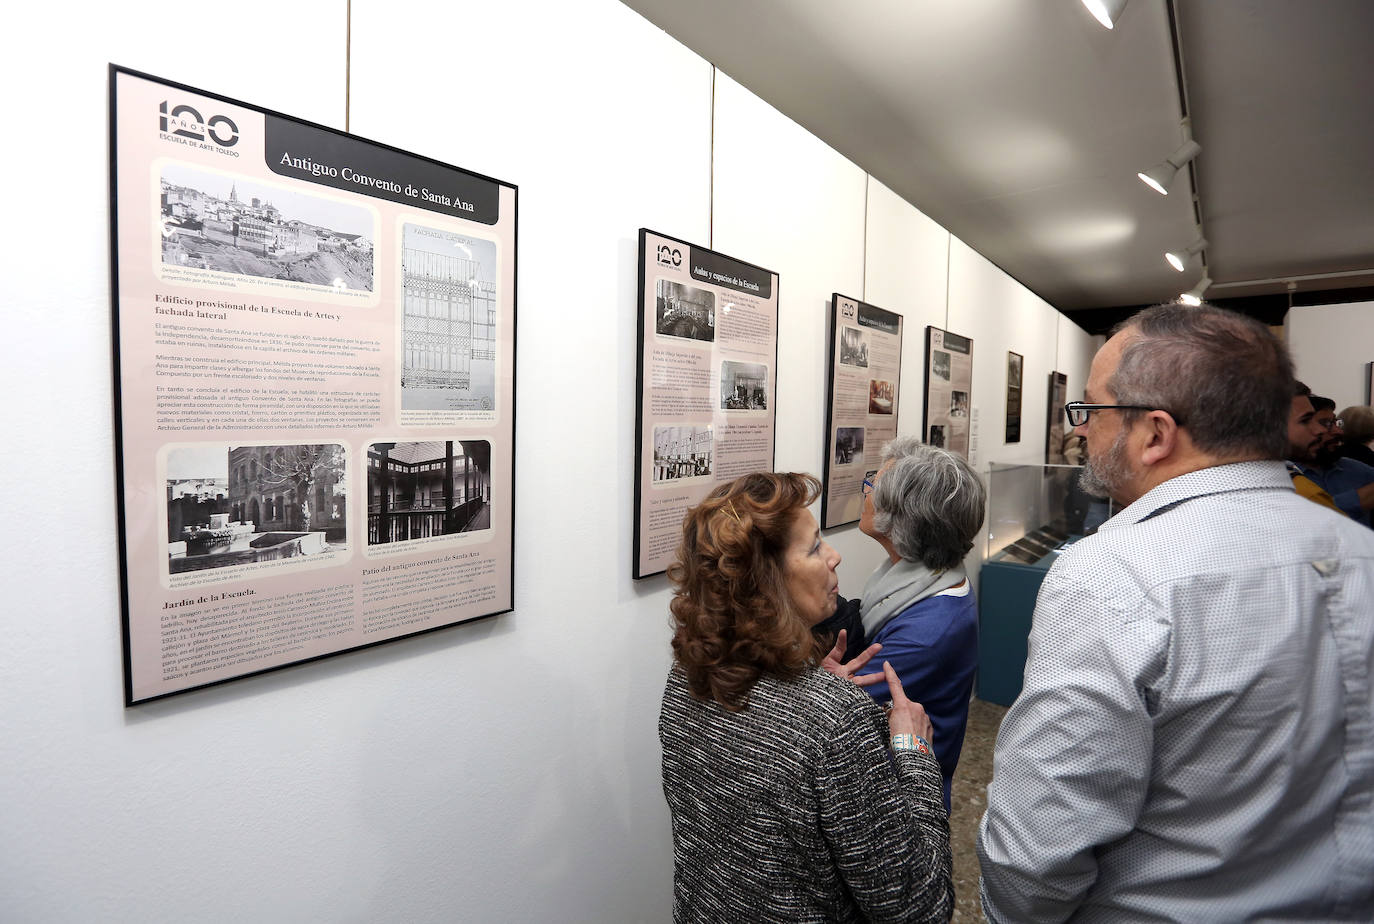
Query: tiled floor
[(967, 801)]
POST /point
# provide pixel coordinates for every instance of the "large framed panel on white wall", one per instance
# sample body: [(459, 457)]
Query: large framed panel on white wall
[(315, 388)]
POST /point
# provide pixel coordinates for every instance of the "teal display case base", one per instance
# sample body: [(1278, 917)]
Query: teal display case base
[(1006, 599)]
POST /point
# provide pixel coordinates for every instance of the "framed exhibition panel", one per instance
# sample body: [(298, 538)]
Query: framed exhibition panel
[(314, 359), (862, 402), (1015, 363), (1054, 430), (706, 383), (949, 389)]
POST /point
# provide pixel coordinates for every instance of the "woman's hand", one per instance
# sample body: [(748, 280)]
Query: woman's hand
[(848, 669), (906, 717)]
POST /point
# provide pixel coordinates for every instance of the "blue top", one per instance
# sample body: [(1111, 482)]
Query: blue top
[(1342, 479), (933, 647)]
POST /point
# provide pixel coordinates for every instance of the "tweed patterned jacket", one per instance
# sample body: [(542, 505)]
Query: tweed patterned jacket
[(794, 810)]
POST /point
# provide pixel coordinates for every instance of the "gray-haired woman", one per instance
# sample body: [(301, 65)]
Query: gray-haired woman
[(924, 507)]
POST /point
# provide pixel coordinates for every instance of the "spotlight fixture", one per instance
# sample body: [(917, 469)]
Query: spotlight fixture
[(1161, 175), (1179, 258), (1107, 12), (1194, 295)]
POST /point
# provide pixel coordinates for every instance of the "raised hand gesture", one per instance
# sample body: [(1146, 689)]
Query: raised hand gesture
[(849, 669), (905, 717)]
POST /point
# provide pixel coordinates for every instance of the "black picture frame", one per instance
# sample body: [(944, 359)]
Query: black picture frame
[(947, 407), (695, 275), (1054, 425), (1015, 373), (852, 324), (184, 118)]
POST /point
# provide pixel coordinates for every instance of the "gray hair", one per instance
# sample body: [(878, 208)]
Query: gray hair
[(1223, 377), (929, 504), (1359, 423)]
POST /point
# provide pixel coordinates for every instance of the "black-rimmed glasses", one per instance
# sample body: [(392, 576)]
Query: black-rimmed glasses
[(1078, 412)]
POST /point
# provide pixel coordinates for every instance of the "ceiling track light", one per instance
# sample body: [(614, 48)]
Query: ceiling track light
[(1178, 259), (1107, 12), (1160, 176), (1194, 295)]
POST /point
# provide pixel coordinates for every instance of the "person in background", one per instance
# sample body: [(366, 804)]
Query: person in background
[(1350, 483), (925, 507), (1357, 433), (793, 797), (1324, 415), (1304, 437), (1195, 737)]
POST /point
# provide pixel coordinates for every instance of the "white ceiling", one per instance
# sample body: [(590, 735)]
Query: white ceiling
[(1019, 125)]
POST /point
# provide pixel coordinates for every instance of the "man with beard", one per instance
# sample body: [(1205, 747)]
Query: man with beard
[(1324, 416), (1304, 437), (1195, 736), (1348, 482)]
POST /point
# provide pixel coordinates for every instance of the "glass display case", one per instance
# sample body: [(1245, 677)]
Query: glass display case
[(1035, 511)]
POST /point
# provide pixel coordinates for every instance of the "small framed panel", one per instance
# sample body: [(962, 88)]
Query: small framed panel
[(1015, 364), (706, 384), (949, 391), (863, 398), (1055, 434)]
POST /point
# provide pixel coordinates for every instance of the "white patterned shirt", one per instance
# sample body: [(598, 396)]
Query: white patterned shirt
[(1195, 737)]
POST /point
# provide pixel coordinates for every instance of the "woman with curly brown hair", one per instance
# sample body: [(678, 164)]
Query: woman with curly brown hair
[(793, 796)]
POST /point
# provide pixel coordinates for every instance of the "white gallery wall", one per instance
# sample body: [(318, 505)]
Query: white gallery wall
[(505, 770), (1332, 346)]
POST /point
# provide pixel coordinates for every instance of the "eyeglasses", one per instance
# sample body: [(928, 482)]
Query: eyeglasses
[(868, 487), (1332, 424), (1078, 412)]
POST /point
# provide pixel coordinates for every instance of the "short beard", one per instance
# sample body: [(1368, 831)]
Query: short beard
[(1326, 454), (1105, 475)]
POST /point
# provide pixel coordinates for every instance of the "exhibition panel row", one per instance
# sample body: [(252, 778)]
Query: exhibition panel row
[(314, 358)]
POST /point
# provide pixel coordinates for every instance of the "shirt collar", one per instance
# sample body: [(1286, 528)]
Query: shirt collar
[(1216, 479)]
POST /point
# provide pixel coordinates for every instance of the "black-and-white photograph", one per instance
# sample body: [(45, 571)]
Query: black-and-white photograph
[(684, 311), (849, 445), (958, 404), (1014, 363), (234, 505), (448, 324), (236, 224), (682, 452), (937, 436), (854, 347), (882, 396), (939, 364), (743, 386), (422, 489)]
